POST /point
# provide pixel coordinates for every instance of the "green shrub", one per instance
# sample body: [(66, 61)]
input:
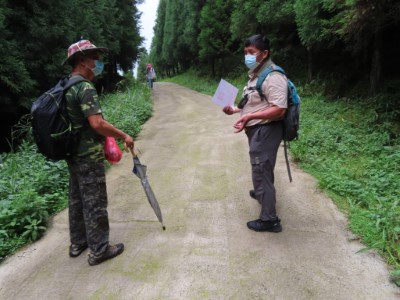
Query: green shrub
[(357, 160)]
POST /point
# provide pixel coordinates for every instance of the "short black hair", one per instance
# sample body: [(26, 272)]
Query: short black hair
[(76, 58), (260, 42)]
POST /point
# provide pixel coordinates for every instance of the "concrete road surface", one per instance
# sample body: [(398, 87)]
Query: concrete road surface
[(199, 170)]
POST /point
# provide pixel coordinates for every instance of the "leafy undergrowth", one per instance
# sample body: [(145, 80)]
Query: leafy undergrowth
[(356, 158), (32, 188)]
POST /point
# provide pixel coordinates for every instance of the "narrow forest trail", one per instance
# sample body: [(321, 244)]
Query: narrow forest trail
[(199, 170)]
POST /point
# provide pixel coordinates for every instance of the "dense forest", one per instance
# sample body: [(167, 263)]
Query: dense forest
[(349, 42), (349, 45), (35, 36)]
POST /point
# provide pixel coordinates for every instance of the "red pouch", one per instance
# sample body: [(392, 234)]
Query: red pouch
[(112, 152)]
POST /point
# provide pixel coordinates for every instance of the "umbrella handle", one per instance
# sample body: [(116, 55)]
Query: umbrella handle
[(130, 149)]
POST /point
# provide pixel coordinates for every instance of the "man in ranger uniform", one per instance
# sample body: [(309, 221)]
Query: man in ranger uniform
[(261, 119), (88, 217)]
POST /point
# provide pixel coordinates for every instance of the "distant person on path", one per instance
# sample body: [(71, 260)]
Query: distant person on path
[(88, 217), (261, 121), (150, 75)]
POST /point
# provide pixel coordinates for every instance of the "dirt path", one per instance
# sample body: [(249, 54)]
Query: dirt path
[(200, 173)]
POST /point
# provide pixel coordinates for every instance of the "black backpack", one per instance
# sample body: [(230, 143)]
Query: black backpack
[(291, 121), (51, 127)]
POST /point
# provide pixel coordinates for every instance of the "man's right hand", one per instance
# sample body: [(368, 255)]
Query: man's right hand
[(128, 142)]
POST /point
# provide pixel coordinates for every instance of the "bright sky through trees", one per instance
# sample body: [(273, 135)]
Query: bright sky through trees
[(149, 12), (147, 20)]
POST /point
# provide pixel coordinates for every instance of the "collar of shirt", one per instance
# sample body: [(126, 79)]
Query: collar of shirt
[(265, 65)]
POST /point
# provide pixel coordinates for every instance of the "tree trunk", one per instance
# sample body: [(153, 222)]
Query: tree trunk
[(212, 67), (309, 63), (376, 62)]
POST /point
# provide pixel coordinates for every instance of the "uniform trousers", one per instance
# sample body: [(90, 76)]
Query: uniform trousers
[(264, 141)]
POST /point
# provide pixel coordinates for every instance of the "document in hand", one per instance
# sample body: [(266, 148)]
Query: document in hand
[(225, 94)]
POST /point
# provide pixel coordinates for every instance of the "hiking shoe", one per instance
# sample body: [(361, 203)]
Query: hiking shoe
[(259, 225), (76, 249), (111, 252), (252, 194)]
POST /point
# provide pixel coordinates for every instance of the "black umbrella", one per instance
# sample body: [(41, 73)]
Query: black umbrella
[(140, 171)]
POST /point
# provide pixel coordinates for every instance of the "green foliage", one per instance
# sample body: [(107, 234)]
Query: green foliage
[(32, 188), (311, 22), (214, 40), (144, 60), (35, 35), (34, 228), (171, 32), (244, 19), (157, 43), (129, 108), (349, 41), (395, 277), (356, 159)]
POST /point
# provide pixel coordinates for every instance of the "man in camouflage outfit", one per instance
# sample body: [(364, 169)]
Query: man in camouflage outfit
[(88, 217)]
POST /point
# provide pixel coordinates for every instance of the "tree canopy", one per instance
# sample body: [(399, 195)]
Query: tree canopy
[(349, 39), (35, 36)]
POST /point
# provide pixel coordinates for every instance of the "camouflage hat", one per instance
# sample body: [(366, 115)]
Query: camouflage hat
[(82, 46)]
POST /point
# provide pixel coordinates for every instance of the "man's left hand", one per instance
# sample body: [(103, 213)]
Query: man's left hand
[(241, 123)]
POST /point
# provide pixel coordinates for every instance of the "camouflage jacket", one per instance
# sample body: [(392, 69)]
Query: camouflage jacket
[(82, 102)]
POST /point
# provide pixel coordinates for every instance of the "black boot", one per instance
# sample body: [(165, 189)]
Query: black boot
[(259, 225)]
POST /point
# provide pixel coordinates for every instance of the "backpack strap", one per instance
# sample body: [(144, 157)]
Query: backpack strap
[(260, 80), (263, 75), (73, 80)]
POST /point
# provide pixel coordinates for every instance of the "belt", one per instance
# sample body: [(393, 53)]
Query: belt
[(246, 129)]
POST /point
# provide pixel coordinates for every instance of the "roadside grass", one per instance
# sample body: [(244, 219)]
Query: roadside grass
[(33, 188), (357, 161), (353, 150)]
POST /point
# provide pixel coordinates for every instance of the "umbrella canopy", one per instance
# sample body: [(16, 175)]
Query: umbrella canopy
[(140, 171)]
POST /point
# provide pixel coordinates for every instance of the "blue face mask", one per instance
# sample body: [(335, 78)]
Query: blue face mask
[(98, 69), (251, 61)]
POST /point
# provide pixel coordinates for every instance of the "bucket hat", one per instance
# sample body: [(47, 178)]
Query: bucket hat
[(83, 46)]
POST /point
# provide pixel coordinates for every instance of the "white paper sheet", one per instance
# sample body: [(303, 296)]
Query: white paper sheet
[(225, 94)]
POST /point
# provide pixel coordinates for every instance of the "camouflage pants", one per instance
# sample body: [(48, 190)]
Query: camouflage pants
[(88, 217)]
